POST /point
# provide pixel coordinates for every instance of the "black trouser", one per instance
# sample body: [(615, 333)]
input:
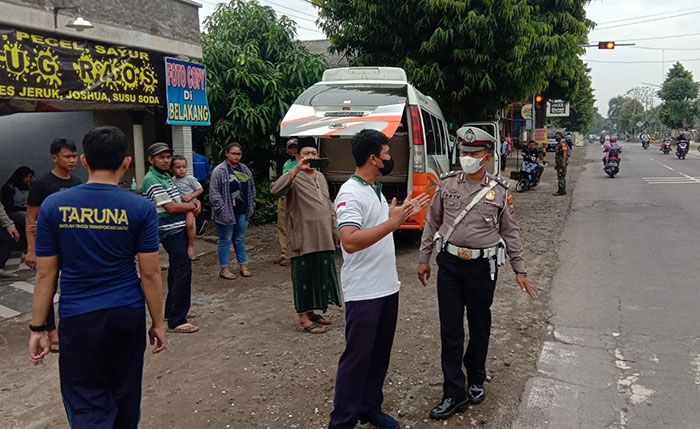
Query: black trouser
[(7, 243), (369, 335), (101, 366), (463, 284), (177, 303)]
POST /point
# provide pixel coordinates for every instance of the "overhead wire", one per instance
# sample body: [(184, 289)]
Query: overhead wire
[(647, 16), (645, 21)]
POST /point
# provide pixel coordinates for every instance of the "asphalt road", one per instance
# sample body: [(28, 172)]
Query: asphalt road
[(623, 349)]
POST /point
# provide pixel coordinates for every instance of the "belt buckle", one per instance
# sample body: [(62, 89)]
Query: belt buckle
[(464, 254)]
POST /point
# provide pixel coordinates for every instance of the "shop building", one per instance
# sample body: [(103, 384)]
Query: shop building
[(61, 79)]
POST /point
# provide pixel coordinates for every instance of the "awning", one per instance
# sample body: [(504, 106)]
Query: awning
[(308, 122)]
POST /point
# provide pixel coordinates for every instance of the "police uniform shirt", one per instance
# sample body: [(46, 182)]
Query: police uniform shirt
[(97, 230), (487, 222)]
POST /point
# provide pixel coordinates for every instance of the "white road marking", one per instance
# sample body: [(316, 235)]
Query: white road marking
[(695, 369), (6, 312), (27, 287), (683, 179)]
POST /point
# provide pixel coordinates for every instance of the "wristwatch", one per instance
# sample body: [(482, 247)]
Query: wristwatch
[(37, 328), (517, 273)]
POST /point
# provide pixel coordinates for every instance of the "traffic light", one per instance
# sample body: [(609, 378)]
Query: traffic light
[(606, 45), (538, 101)]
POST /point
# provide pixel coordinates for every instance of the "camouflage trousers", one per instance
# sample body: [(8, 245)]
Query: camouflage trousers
[(561, 177)]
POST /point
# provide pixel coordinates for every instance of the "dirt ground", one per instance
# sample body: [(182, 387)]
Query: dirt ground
[(249, 368)]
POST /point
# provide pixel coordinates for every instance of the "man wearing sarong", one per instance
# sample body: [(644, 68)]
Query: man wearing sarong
[(311, 239)]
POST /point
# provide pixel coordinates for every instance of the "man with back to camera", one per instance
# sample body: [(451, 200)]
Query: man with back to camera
[(64, 155), (472, 225), (93, 233), (370, 283)]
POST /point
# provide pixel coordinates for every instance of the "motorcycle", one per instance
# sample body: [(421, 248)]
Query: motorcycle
[(681, 149), (645, 144), (666, 147), (529, 176), (612, 166)]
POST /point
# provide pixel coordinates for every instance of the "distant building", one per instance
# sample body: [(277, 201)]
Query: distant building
[(323, 46)]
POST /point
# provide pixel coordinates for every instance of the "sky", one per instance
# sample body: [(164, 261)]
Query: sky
[(614, 72)]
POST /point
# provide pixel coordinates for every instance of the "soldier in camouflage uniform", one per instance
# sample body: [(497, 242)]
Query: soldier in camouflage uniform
[(561, 159)]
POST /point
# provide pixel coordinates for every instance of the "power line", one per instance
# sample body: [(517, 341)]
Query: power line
[(315, 30), (641, 62), (292, 9), (651, 48), (647, 16), (645, 21), (637, 39)]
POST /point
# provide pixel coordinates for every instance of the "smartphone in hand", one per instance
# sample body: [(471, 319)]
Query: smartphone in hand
[(318, 163)]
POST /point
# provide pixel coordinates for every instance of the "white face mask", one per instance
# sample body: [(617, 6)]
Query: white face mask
[(470, 165)]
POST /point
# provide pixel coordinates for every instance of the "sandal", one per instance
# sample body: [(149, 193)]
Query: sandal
[(317, 318), (185, 328), (246, 273), (53, 347), (313, 328), (228, 275)]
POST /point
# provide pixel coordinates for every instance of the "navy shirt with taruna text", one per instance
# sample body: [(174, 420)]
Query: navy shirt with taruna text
[(97, 230)]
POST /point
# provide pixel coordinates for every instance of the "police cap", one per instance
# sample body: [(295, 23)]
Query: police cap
[(473, 139)]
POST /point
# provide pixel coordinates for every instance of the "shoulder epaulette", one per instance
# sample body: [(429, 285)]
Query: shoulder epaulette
[(502, 182), (448, 174)]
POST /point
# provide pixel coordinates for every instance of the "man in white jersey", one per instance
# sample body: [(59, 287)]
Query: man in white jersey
[(369, 281)]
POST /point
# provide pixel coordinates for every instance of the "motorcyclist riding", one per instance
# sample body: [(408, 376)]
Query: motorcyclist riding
[(533, 153), (610, 146)]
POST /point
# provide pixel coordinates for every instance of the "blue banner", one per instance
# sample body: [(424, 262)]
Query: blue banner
[(186, 93)]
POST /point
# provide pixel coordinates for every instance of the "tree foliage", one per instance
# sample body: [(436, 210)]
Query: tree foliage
[(624, 113), (255, 69), (474, 56), (680, 95), (582, 101)]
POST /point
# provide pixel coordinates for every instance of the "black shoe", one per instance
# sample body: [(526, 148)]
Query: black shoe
[(559, 192), (381, 420), (447, 407), (476, 393)]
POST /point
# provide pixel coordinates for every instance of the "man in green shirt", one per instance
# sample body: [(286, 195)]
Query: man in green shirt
[(160, 187), (292, 149)]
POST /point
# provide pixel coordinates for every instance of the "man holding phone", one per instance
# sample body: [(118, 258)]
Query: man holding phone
[(311, 238)]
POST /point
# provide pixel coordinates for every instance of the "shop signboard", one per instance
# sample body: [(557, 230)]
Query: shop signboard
[(186, 93), (37, 65)]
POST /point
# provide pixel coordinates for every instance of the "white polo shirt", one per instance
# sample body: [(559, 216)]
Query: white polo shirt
[(370, 273)]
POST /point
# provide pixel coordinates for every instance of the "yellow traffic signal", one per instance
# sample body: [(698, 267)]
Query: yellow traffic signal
[(539, 98), (606, 45)]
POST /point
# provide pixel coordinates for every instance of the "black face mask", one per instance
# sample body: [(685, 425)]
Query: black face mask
[(388, 166)]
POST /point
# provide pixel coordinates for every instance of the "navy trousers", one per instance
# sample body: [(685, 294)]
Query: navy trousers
[(101, 366), (177, 303), (369, 334), (464, 284)]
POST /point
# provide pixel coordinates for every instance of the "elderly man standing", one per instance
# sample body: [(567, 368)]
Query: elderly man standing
[(311, 239)]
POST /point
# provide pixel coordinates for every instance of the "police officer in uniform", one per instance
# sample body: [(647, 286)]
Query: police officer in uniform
[(471, 225)]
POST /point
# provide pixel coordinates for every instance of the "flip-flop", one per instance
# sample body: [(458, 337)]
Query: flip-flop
[(7, 275), (53, 347), (317, 318), (185, 328), (228, 275), (310, 329)]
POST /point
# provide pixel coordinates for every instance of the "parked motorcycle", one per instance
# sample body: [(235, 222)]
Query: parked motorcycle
[(666, 147), (612, 164), (529, 176), (681, 149)]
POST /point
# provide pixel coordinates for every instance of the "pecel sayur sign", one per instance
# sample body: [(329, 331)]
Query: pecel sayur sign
[(186, 93), (44, 66)]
